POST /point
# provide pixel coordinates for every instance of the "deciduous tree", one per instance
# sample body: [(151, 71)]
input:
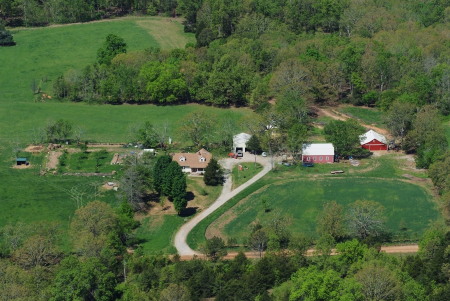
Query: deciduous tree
[(378, 283), (147, 135), (92, 227), (83, 280), (198, 127), (345, 136), (112, 46), (214, 248), (400, 118), (332, 221), (258, 241), (59, 130), (366, 219)]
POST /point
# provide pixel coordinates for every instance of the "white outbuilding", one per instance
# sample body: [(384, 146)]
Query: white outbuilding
[(318, 153), (240, 142)]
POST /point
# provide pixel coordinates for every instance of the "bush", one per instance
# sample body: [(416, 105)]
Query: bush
[(6, 38)]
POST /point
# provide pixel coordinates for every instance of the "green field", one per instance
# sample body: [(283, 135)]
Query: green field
[(27, 197), (300, 192), (45, 53), (407, 206)]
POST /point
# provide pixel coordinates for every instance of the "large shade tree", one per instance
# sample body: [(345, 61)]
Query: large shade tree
[(345, 136)]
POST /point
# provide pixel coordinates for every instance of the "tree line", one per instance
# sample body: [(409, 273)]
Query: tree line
[(34, 266), (45, 12)]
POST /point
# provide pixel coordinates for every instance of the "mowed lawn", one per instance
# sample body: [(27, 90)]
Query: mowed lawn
[(156, 233), (409, 208)]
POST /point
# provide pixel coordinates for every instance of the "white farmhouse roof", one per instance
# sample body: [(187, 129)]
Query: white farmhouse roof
[(241, 139), (371, 135), (324, 149)]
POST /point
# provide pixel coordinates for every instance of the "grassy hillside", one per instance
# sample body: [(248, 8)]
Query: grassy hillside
[(103, 123), (44, 53)]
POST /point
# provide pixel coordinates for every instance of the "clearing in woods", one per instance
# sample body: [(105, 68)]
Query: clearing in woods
[(168, 32)]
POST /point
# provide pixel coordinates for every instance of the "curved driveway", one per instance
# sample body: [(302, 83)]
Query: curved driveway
[(181, 236)]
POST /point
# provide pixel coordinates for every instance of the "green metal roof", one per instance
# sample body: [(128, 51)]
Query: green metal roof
[(21, 159)]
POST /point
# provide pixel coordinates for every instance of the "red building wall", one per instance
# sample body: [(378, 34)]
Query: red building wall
[(318, 158), (375, 145)]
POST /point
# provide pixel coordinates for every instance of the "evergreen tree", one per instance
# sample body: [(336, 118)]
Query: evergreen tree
[(213, 174), (178, 190), (171, 173), (159, 171), (179, 204)]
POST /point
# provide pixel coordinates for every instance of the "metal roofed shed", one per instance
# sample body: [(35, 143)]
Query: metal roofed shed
[(22, 161), (240, 143), (318, 153)]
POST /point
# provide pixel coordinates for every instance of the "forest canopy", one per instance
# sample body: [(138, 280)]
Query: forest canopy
[(370, 53)]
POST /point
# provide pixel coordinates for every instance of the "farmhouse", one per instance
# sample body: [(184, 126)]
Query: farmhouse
[(373, 141), (240, 142), (193, 162), (318, 153)]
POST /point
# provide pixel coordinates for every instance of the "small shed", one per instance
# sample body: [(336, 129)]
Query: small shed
[(240, 142), (318, 153), (21, 161), (373, 141)]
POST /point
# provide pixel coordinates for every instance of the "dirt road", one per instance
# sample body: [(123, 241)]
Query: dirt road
[(330, 112), (181, 236), (401, 249), (53, 159)]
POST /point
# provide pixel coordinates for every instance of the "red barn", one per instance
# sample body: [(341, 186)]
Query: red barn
[(373, 141), (318, 153)]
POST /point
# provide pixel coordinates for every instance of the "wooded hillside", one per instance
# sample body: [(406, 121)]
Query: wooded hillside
[(362, 52)]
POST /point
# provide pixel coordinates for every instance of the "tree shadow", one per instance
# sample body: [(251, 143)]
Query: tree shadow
[(190, 196), (186, 212)]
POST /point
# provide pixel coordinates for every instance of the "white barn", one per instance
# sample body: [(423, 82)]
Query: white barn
[(318, 153), (240, 142)]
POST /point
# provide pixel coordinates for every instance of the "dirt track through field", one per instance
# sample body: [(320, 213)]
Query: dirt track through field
[(329, 112), (53, 159)]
